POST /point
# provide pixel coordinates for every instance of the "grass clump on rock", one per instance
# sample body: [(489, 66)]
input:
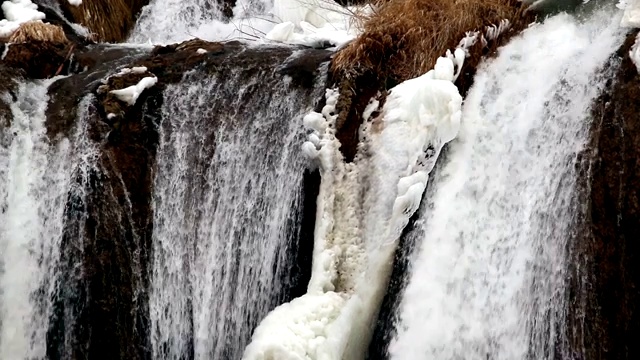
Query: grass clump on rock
[(38, 31), (108, 20), (402, 39)]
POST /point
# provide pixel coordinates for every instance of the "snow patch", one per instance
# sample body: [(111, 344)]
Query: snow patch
[(362, 208), (130, 94), (201, 51), (125, 71), (75, 2), (17, 12), (133, 70)]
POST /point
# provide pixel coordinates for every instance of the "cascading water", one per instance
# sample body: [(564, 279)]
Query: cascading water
[(35, 175), (487, 279), (99, 260), (166, 21), (227, 209)]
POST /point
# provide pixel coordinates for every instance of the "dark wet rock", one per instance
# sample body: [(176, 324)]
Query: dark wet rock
[(39, 59), (96, 63), (9, 78), (296, 279), (354, 97), (103, 311), (604, 292), (226, 7), (303, 70)]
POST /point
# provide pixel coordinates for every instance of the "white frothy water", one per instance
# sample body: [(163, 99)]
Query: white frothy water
[(227, 206), (169, 21), (487, 281), (34, 179)]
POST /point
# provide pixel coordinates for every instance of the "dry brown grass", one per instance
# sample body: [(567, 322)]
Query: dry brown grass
[(402, 39), (109, 20), (37, 30)]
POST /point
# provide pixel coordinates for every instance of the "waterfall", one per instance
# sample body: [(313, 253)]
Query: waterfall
[(487, 279), (167, 21), (35, 175), (218, 217), (227, 208)]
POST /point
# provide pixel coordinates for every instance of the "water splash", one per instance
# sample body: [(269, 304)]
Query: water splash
[(167, 21)]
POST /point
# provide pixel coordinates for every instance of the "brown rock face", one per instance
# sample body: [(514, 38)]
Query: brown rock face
[(39, 59), (604, 309)]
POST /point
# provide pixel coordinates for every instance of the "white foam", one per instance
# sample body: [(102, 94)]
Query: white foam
[(130, 94)]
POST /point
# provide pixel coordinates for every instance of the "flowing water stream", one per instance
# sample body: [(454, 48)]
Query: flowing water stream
[(487, 280)]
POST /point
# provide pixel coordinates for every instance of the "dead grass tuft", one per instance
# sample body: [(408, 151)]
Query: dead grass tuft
[(402, 39), (37, 30), (109, 20)]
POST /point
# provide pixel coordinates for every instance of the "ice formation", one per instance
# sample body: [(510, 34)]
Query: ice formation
[(130, 94), (634, 53), (631, 15), (17, 12), (314, 23), (362, 208)]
